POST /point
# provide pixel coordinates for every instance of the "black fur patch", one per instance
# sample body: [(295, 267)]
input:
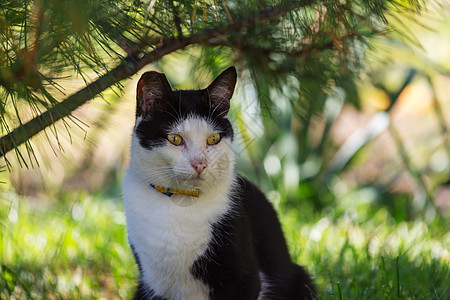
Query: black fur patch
[(248, 240), (153, 129)]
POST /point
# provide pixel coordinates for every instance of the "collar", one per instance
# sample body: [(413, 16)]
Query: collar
[(170, 191)]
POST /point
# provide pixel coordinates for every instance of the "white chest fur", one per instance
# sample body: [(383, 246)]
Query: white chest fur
[(168, 237)]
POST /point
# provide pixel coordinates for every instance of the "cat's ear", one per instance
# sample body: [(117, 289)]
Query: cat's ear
[(221, 90), (152, 89)]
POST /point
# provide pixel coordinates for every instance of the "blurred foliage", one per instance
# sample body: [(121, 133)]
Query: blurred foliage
[(298, 154)]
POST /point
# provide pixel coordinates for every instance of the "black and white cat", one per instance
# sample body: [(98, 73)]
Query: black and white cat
[(198, 230)]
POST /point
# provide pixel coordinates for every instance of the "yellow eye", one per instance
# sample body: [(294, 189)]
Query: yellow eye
[(213, 139), (175, 139)]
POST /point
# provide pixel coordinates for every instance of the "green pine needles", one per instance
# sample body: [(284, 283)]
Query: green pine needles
[(44, 42)]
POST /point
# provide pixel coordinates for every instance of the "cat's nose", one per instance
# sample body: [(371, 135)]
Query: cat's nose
[(199, 166)]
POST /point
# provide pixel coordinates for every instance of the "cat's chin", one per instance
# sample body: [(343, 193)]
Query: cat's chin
[(198, 183), (194, 183)]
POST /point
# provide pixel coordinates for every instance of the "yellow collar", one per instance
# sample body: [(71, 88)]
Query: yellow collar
[(170, 191)]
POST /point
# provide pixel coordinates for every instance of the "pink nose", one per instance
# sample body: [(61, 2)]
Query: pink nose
[(199, 167)]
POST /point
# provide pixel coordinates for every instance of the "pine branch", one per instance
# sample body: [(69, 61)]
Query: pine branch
[(131, 65), (300, 50)]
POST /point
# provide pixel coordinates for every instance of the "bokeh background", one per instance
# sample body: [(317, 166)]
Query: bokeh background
[(362, 186)]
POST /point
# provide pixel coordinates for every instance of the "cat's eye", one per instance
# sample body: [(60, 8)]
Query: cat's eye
[(175, 139), (213, 139)]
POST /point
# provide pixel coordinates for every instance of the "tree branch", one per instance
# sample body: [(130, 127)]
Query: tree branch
[(302, 49), (129, 66)]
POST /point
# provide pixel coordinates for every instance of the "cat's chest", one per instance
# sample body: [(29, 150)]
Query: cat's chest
[(169, 237)]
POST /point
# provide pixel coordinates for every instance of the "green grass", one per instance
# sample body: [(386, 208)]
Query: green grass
[(377, 259), (75, 247)]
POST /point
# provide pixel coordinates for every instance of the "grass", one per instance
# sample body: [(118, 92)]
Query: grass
[(376, 259), (71, 249), (76, 247)]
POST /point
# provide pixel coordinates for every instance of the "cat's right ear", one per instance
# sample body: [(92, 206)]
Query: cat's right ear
[(152, 89), (221, 90)]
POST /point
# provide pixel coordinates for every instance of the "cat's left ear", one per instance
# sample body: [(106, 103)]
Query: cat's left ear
[(221, 90), (153, 90)]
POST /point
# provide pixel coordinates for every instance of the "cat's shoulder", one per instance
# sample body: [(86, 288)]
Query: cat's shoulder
[(250, 195)]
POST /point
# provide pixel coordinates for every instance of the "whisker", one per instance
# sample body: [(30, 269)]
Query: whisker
[(168, 112), (179, 106), (210, 105), (219, 104), (178, 115)]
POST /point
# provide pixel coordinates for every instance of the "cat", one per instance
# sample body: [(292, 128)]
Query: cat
[(196, 228)]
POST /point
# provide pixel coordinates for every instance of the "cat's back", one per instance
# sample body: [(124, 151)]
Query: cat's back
[(265, 228), (280, 278)]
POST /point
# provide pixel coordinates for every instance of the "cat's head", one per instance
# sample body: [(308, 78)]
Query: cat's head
[(183, 139)]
